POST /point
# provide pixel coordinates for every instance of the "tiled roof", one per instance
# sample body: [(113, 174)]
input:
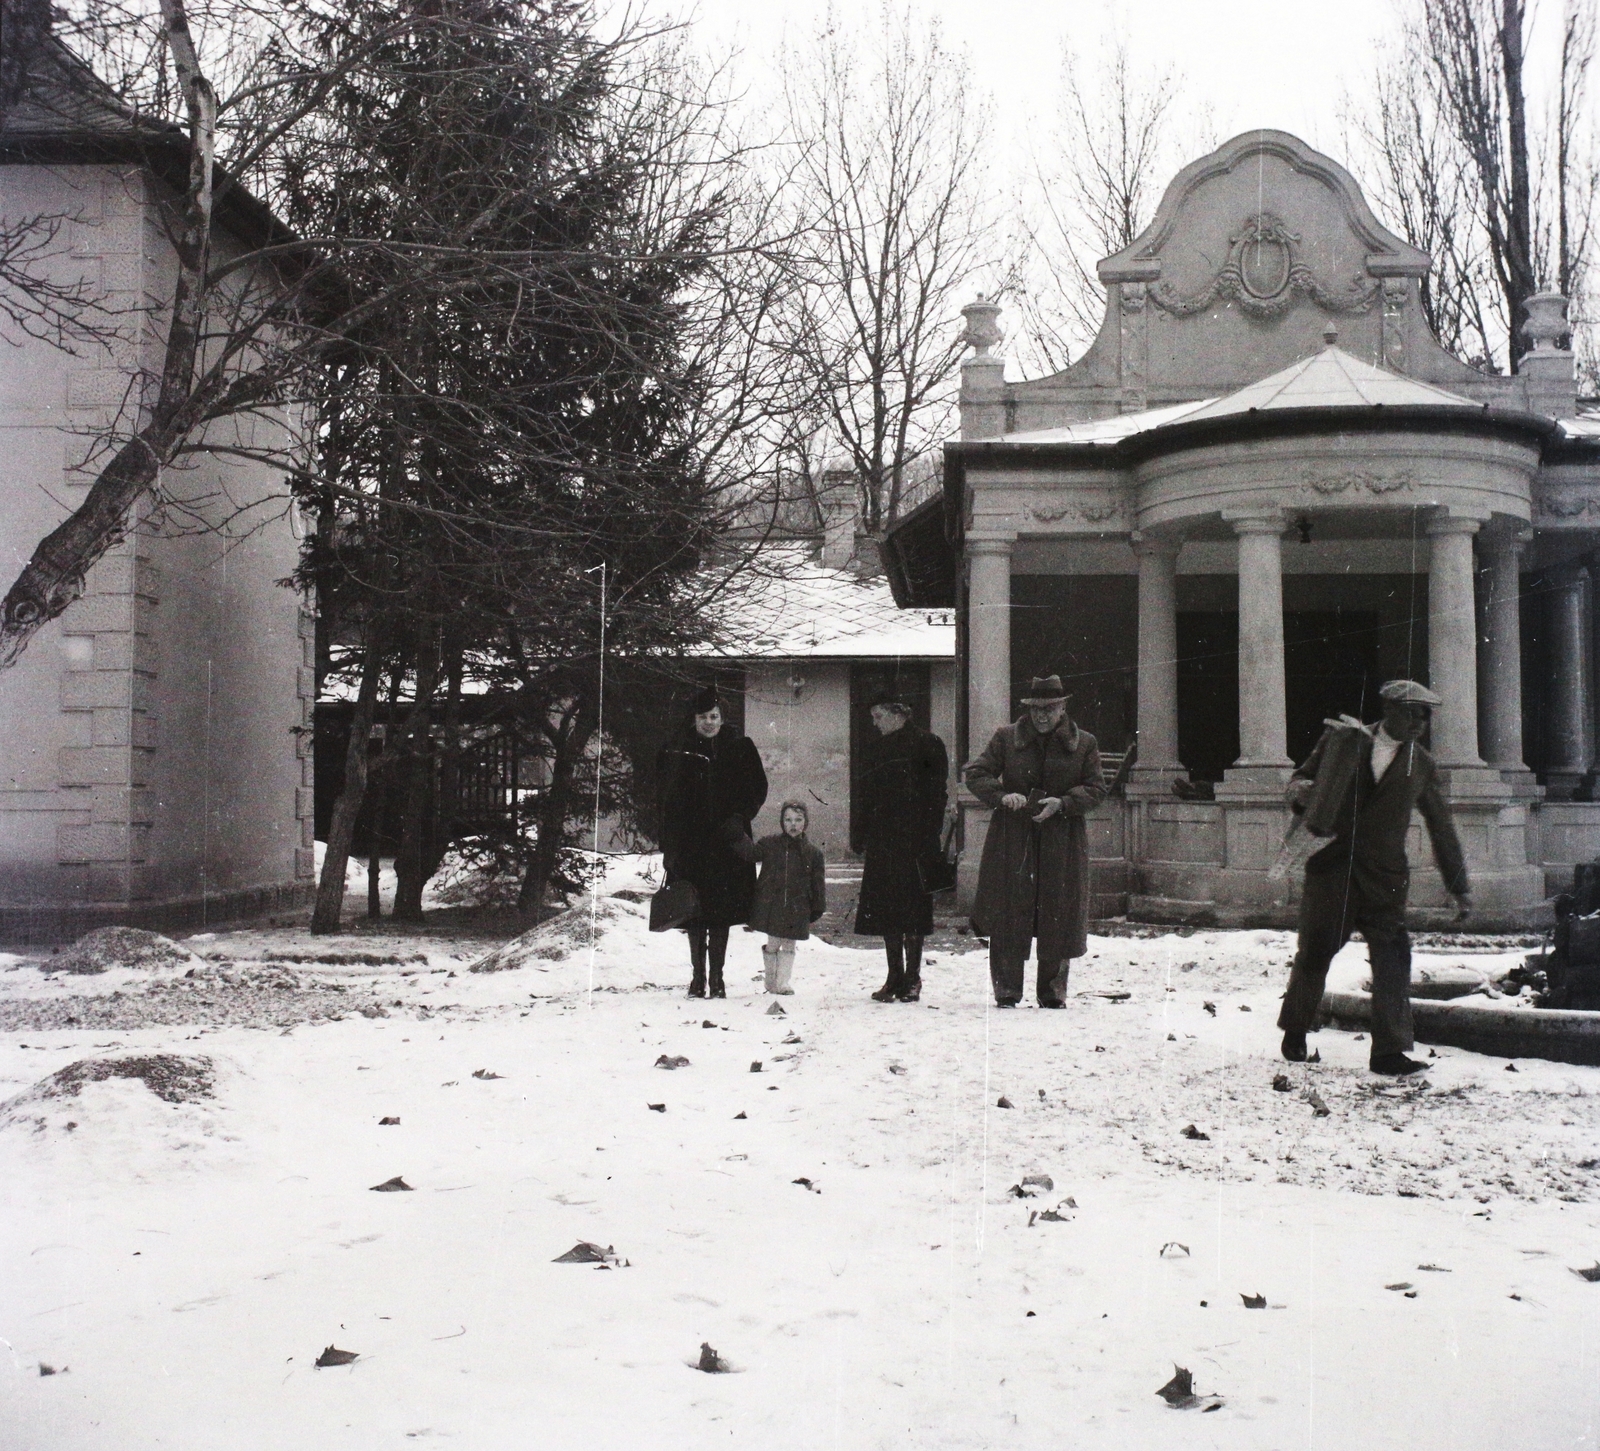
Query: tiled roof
[(787, 605)]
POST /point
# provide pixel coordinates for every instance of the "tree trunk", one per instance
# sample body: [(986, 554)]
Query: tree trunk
[(410, 877), (554, 808), (444, 824), (330, 890), (1519, 239)]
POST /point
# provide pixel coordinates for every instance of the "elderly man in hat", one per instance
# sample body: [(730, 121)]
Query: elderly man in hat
[(1040, 774), (1358, 788)]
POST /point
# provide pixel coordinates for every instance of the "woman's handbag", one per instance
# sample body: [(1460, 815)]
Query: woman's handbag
[(673, 905), (937, 868)]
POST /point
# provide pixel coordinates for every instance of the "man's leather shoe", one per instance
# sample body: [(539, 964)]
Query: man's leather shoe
[(1396, 1064), (1294, 1047)]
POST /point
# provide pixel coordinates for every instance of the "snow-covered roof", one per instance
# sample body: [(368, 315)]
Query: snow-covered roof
[(1329, 378), (789, 605), (1585, 425)]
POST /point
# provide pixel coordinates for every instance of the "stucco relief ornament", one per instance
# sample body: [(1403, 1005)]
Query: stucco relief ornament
[(1569, 506), (1095, 513), (1327, 485), (1264, 276)]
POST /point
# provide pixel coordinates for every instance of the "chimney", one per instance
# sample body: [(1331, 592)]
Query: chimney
[(837, 501), (1547, 368)]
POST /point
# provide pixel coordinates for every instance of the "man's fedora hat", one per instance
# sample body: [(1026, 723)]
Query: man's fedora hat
[(1408, 692), (1045, 690)]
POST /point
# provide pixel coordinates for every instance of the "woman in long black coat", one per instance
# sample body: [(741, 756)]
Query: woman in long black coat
[(904, 782), (712, 786)]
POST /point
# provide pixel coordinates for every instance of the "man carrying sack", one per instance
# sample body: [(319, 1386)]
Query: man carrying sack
[(1361, 784)]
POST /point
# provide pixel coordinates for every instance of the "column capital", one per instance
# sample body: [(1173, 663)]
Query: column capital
[(1441, 524), (1504, 535), (1155, 545), (1257, 523), (1565, 576), (991, 543)]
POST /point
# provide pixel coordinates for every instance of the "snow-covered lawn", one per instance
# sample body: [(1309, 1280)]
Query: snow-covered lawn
[(182, 1265)]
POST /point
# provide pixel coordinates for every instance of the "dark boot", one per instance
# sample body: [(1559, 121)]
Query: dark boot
[(1052, 985), (911, 978), (717, 953), (1396, 1064), (894, 950), (697, 961), (1294, 1047)]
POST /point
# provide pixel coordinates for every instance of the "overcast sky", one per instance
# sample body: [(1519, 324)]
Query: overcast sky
[(1279, 63)]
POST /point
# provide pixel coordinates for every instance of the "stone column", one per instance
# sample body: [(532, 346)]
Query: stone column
[(988, 639), (1453, 641), (1500, 695), (1158, 764), (1263, 754), (1569, 751)]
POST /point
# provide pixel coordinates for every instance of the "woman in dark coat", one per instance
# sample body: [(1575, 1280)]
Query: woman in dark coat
[(904, 783), (1041, 775), (712, 785)]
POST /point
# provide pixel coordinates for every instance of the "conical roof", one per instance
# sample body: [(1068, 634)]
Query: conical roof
[(1330, 378)]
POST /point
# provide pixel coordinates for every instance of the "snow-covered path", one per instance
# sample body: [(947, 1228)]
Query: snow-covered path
[(183, 1265)]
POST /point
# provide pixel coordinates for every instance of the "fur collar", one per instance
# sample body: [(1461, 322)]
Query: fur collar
[(1067, 733)]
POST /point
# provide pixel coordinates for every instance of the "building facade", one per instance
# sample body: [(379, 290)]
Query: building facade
[(1264, 490), (154, 739)]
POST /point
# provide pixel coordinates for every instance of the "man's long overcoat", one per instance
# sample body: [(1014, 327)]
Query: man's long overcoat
[(1033, 880)]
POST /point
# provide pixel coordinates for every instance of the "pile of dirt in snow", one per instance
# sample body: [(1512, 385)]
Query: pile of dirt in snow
[(109, 947), (209, 996), (171, 1077), (553, 939)]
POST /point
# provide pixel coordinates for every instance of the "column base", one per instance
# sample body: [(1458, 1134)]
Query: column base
[(1569, 785), (1521, 782), (1472, 781), (1255, 781), (1147, 783)]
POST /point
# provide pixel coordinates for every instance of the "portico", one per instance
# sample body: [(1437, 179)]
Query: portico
[(1296, 494)]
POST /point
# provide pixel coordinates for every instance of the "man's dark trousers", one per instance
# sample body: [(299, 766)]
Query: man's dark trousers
[(1331, 907)]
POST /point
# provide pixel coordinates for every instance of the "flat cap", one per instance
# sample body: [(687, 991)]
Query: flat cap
[(1408, 692)]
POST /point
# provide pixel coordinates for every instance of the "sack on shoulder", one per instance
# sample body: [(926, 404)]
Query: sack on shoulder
[(673, 905)]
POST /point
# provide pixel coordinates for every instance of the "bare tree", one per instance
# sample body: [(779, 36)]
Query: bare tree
[(888, 192), (1089, 192)]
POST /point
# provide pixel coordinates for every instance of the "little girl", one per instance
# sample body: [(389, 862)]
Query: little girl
[(790, 895)]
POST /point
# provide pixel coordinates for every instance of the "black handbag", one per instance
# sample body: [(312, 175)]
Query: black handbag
[(674, 905)]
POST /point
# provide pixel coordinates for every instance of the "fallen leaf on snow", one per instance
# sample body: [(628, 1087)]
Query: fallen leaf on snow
[(1191, 1132), (1318, 1107), (1032, 1184), (802, 1180), (585, 1252), (391, 1186), (710, 1361), (1280, 1081), (896, 1068), (334, 1356), (1210, 1008), (1244, 1007), (1399, 1285), (485, 1074), (1179, 1391), (776, 1011), (741, 1114), (656, 1107), (46, 1369), (708, 1024), (755, 1067), (792, 1038), (1592, 1274), (1511, 1068), (1004, 1102), (1254, 1302), (1437, 1269), (388, 1123), (1173, 1244), (677, 1061)]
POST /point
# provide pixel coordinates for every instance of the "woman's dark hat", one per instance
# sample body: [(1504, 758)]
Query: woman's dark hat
[(1045, 690), (705, 699), (890, 698)]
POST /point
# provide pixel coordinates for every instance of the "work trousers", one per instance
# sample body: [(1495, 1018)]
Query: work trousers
[(1008, 960), (1331, 908)]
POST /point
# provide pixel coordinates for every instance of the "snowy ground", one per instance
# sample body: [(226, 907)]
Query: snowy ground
[(182, 1265)]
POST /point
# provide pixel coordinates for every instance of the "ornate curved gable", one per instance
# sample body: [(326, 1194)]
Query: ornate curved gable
[(1253, 253)]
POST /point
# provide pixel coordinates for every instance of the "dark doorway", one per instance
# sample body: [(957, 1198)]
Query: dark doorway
[(911, 681), (1084, 628), (1330, 666), (1208, 692)]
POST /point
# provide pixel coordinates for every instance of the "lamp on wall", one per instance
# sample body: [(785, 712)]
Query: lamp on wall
[(1303, 524), (797, 683)]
